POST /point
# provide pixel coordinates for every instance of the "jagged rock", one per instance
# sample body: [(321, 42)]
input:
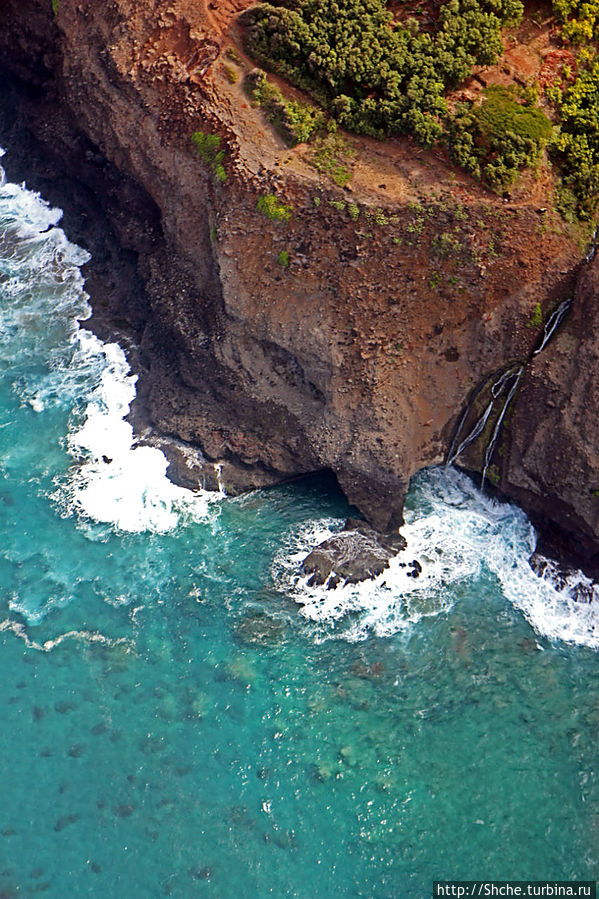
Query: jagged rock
[(357, 553), (580, 588)]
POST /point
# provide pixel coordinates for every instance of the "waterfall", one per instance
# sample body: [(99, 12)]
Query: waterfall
[(512, 375), (592, 248), (551, 325), (497, 390), (493, 440)]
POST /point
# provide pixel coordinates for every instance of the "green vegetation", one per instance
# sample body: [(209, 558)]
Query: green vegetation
[(207, 146), (446, 244), (378, 77), (231, 74), (296, 122), (55, 6), (536, 319), (272, 208), (499, 137), (435, 281), (577, 146), (283, 258), (580, 19), (331, 156), (500, 113)]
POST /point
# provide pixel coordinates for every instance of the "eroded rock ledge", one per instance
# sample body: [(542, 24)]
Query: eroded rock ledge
[(356, 357)]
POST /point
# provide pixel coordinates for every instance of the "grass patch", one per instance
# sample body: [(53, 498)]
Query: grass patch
[(497, 139), (331, 156), (536, 319), (207, 146), (283, 259), (446, 244), (500, 113), (273, 209), (296, 122), (231, 74)]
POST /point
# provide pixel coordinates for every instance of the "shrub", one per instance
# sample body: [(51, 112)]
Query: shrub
[(207, 146), (296, 122), (272, 208), (577, 145), (378, 76), (283, 258), (580, 19)]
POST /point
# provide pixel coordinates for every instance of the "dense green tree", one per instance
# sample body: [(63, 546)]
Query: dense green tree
[(377, 76)]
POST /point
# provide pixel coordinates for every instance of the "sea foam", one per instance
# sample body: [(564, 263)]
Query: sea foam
[(455, 532), (114, 480), (117, 480)]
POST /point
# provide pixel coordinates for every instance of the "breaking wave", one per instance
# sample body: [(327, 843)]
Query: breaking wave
[(455, 532), (57, 363)]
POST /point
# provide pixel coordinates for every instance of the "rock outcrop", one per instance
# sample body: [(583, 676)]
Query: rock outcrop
[(345, 335), (550, 464), (356, 553)]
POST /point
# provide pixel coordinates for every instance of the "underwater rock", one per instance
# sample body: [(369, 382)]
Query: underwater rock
[(202, 873), (125, 810), (77, 750), (65, 821), (365, 671), (357, 553), (260, 628)]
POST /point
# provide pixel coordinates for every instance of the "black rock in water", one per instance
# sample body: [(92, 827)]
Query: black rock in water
[(579, 587), (357, 553)]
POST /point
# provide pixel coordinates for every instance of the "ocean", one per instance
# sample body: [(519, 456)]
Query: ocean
[(182, 715)]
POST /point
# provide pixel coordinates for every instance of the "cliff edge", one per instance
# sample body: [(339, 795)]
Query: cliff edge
[(287, 322)]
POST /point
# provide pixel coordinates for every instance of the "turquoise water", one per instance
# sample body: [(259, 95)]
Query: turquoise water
[(182, 716)]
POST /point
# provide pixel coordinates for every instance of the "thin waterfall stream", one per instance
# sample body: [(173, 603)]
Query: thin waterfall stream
[(502, 393)]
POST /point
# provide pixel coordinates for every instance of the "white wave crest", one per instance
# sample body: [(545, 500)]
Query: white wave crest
[(454, 531), (118, 481), (58, 363)]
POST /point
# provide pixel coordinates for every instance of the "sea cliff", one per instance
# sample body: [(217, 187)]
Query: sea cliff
[(346, 333)]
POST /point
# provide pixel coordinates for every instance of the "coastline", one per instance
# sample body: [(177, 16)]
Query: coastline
[(349, 362)]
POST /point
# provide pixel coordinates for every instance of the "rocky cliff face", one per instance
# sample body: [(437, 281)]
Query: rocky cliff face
[(551, 460), (401, 293)]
